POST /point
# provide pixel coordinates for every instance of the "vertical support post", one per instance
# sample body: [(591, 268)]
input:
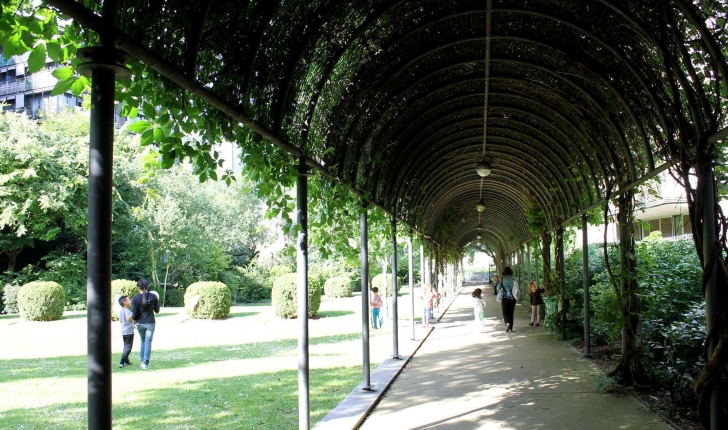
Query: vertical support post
[(560, 272), (395, 313), (422, 261), (538, 282), (427, 271), (304, 420), (587, 298), (103, 65), (364, 238), (712, 293), (98, 284), (528, 256), (410, 249)]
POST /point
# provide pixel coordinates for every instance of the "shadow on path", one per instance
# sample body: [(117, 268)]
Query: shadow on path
[(463, 379)]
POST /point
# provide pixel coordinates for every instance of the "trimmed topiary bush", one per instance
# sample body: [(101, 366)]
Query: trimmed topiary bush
[(285, 296), (385, 287), (41, 301), (10, 298), (121, 287), (208, 300), (338, 286)]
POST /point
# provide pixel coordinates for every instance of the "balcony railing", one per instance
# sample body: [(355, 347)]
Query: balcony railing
[(41, 81)]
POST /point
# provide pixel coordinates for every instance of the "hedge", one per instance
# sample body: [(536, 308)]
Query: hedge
[(41, 301), (338, 286), (208, 300), (172, 298), (10, 298), (121, 287), (285, 296), (385, 287)]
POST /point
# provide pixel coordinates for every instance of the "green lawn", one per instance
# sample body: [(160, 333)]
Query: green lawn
[(234, 373)]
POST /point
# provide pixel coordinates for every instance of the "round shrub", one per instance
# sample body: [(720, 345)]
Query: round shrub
[(338, 286), (208, 300), (385, 286), (41, 301), (285, 296), (121, 287)]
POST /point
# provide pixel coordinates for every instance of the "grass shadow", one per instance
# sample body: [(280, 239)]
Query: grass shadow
[(266, 400), (75, 366), (73, 316), (333, 314), (9, 317), (241, 314)]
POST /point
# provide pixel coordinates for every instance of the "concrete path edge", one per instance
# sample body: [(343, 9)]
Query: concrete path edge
[(356, 407)]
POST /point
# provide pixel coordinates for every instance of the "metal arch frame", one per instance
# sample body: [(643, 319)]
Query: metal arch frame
[(496, 225), (463, 190), (614, 129), (596, 149), (499, 241), (538, 183), (419, 164), (556, 172), (375, 18), (571, 140), (404, 161), (559, 20), (618, 131), (495, 229), (428, 165), (469, 190), (637, 122)]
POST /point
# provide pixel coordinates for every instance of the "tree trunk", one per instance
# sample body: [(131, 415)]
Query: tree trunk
[(629, 370), (12, 255)]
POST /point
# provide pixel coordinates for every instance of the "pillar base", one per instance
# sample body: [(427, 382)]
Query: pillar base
[(396, 357), (587, 355), (369, 388)]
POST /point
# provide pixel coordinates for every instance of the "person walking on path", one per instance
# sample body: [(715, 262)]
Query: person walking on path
[(509, 285), (144, 306), (428, 299), (496, 280), (478, 309), (376, 303), (127, 329), (536, 303)]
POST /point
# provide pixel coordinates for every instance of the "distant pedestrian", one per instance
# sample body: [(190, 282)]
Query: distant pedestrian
[(144, 306), (478, 308), (127, 329), (376, 303), (428, 299), (536, 303), (509, 285), (496, 280)]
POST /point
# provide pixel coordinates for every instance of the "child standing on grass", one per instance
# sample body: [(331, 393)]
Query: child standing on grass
[(479, 308), (127, 329), (376, 303)]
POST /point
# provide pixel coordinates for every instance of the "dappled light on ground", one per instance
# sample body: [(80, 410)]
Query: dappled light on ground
[(461, 379)]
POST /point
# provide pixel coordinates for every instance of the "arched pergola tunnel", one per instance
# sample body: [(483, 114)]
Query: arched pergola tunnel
[(572, 103)]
